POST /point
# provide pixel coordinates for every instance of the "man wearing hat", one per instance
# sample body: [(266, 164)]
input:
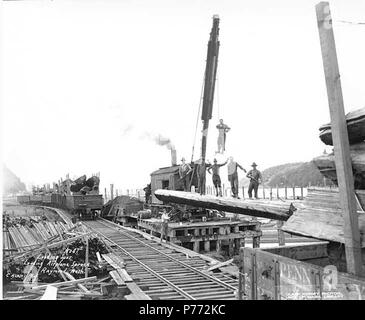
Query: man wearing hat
[(216, 177), (184, 171), (255, 178)]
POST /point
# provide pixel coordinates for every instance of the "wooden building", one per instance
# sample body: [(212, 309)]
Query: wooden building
[(165, 178)]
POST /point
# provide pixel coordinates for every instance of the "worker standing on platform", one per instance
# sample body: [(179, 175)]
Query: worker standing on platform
[(147, 193), (202, 167), (255, 179), (184, 173), (223, 129), (216, 177), (233, 176)]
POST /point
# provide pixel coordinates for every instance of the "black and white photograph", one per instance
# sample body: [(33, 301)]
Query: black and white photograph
[(173, 150)]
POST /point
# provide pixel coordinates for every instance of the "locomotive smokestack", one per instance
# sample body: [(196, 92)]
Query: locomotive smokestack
[(173, 157)]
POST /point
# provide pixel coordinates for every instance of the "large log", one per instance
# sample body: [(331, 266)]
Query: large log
[(257, 208), (355, 121), (326, 165)]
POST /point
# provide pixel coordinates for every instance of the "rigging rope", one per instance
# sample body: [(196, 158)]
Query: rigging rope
[(197, 119), (350, 22), (218, 107)]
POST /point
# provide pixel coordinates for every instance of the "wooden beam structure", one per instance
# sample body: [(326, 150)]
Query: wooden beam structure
[(256, 208), (340, 139)]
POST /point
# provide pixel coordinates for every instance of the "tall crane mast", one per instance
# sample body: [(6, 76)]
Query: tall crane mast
[(209, 81)]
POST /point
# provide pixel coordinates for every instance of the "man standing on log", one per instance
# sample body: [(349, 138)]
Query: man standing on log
[(216, 178), (223, 129), (255, 178), (233, 176), (184, 172)]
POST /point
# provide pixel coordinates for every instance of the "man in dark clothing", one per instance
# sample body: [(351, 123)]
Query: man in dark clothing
[(202, 167), (255, 179), (233, 176), (216, 178), (184, 174), (147, 193)]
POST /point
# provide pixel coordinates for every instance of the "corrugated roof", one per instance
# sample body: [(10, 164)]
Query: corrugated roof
[(172, 169)]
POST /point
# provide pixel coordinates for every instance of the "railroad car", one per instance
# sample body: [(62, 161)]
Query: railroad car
[(82, 207), (85, 207)]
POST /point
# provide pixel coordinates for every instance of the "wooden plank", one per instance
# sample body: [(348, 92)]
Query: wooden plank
[(340, 139), (124, 275), (65, 283), (79, 285), (278, 211), (301, 252), (116, 277), (110, 261), (221, 264), (137, 293)]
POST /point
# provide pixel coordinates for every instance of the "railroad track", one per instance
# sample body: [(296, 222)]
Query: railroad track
[(161, 272)]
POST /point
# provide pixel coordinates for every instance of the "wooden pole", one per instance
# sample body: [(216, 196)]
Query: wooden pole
[(293, 192), (340, 140), (243, 192), (105, 195), (87, 257), (270, 193), (301, 193), (111, 191), (286, 192), (281, 235)]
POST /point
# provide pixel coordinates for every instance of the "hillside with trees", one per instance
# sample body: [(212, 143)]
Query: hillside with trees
[(299, 174), (11, 183)]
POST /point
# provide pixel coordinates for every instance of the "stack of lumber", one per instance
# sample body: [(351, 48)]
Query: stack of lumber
[(321, 217), (31, 235), (257, 208)]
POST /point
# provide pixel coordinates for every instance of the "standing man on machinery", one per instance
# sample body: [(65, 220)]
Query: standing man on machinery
[(233, 176), (216, 178), (184, 174), (255, 179), (223, 129)]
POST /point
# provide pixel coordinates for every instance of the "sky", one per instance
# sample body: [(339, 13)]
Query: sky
[(87, 85)]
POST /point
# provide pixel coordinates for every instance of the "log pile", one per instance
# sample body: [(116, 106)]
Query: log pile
[(269, 210), (355, 121), (22, 234), (356, 133), (82, 185)]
